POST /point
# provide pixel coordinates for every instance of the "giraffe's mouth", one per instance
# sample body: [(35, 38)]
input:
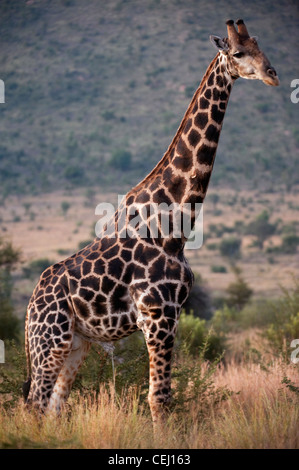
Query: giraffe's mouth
[(271, 78), (271, 81)]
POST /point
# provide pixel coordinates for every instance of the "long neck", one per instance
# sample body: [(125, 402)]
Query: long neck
[(183, 174), (186, 167)]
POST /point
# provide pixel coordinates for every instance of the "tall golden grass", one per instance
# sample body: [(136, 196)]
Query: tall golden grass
[(261, 413)]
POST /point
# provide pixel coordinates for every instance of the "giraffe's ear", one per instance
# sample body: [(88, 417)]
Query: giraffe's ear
[(219, 43)]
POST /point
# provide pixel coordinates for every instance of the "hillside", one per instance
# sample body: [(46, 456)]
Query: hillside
[(91, 85)]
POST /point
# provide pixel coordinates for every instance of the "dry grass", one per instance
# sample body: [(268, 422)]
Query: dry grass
[(262, 413)]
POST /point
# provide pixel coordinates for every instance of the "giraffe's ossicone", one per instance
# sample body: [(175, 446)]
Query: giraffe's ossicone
[(121, 283)]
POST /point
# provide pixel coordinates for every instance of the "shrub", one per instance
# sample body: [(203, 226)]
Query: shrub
[(212, 246), (13, 374), (121, 159), (9, 323), (194, 390), (218, 269), (223, 319), (65, 206), (289, 244), (74, 174), (239, 293), (126, 366), (261, 228), (285, 322), (194, 332), (259, 313), (230, 248), (199, 302)]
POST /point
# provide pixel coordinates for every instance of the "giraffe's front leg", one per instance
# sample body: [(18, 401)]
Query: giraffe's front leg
[(159, 332)]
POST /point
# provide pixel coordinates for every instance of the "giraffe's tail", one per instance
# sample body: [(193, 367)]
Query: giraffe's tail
[(27, 383)]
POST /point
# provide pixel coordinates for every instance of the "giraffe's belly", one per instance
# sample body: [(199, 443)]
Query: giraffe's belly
[(104, 324)]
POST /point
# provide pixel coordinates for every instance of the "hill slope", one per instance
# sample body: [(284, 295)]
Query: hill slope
[(89, 85)]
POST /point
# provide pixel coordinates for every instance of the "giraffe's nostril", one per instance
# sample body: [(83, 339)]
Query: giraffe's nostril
[(271, 71)]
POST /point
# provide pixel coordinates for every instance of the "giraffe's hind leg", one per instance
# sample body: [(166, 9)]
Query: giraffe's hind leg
[(50, 339), (68, 373)]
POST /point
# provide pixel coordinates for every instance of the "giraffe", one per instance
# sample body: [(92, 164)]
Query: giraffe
[(119, 284)]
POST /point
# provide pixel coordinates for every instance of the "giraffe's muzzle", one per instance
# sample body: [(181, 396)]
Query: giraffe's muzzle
[(271, 78)]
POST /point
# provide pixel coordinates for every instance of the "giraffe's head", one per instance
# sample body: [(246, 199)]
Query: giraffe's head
[(244, 58)]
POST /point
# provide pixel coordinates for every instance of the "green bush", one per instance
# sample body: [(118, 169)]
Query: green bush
[(198, 302), (261, 228), (194, 332), (12, 373), (215, 268), (212, 246), (230, 248), (259, 313), (224, 319), (121, 159), (9, 323), (194, 383), (65, 206), (284, 326), (289, 244), (238, 292)]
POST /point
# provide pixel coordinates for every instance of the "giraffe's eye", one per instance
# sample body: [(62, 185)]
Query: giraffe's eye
[(238, 55)]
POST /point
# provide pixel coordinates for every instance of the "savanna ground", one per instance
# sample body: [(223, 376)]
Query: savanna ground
[(234, 383)]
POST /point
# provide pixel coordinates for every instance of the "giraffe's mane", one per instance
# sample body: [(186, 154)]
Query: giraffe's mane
[(181, 127)]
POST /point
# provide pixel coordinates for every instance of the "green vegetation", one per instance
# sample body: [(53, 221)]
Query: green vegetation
[(199, 302), (238, 292), (277, 319), (121, 159), (261, 228), (65, 206), (251, 402), (230, 248), (9, 323), (218, 269)]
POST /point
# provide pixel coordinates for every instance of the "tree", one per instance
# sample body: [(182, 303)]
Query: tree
[(289, 244), (261, 228), (121, 159), (230, 248), (199, 300), (9, 323), (65, 205), (239, 293)]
